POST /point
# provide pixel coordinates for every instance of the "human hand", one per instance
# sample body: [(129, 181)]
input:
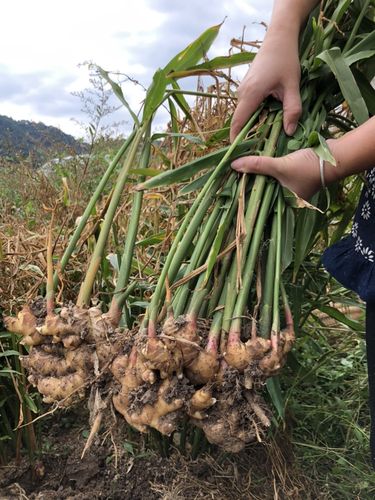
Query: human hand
[(275, 71), (298, 171)]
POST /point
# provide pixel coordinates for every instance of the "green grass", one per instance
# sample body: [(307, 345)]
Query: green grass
[(328, 414)]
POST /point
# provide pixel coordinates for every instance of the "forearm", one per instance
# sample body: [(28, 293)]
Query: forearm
[(354, 152), (289, 15)]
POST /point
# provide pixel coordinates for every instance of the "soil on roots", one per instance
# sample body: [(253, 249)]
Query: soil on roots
[(239, 417), (119, 467), (148, 394)]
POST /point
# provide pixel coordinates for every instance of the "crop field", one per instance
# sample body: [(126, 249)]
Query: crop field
[(167, 329)]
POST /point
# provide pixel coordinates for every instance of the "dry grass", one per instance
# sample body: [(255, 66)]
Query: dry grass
[(30, 196), (262, 471)]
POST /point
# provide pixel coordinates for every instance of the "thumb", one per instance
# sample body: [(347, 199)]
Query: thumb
[(264, 165), (292, 110), (245, 108)]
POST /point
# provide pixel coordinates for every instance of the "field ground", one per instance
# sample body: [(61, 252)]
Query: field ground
[(323, 453), (129, 474)]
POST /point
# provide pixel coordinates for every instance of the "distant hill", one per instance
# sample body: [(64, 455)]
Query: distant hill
[(36, 141)]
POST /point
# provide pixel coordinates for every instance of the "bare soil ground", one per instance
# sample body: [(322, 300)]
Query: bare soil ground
[(112, 469)]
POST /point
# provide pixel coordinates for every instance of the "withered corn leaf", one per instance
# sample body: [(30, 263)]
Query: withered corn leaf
[(118, 93)]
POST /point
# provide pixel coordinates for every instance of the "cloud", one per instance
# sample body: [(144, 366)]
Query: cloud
[(38, 71), (181, 22), (43, 91), (185, 21)]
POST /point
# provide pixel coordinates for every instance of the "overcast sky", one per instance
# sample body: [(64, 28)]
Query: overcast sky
[(44, 42)]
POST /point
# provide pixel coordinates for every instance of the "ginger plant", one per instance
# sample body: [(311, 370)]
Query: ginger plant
[(218, 326)]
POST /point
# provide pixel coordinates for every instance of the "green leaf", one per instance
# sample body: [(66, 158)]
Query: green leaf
[(343, 224), (341, 318), (5, 335), (30, 403), (194, 52), (305, 223), (275, 392), (320, 146), (223, 62), (220, 135), (342, 7), (365, 54), (128, 447), (155, 94), (349, 88), (367, 43), (181, 101), (287, 238), (118, 93), (196, 184), (174, 120), (148, 271), (32, 268), (366, 89), (9, 352), (151, 240), (293, 200), (8, 372), (140, 303), (190, 169), (189, 137), (216, 63), (145, 172), (294, 145)]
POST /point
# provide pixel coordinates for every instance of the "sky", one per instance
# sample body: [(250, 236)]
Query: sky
[(45, 43)]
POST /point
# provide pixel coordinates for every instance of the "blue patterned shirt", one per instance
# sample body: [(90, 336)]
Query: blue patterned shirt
[(352, 260)]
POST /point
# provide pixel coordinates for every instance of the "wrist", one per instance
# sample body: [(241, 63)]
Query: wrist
[(282, 34), (291, 14), (333, 173)]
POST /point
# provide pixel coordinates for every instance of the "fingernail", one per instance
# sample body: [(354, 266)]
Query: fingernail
[(291, 128), (236, 164)]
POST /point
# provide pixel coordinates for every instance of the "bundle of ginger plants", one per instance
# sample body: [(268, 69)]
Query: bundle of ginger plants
[(219, 325)]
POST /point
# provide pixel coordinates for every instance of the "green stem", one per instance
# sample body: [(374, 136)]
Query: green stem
[(221, 279), (202, 203), (123, 295), (267, 291), (213, 241), (88, 211), (251, 259), (197, 298), (118, 299), (214, 334), (205, 239), (251, 215), (177, 254), (276, 288), (356, 26), (96, 259), (198, 437), (50, 295), (287, 309)]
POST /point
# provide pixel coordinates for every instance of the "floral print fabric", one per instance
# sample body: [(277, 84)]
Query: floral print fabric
[(362, 223), (352, 260)]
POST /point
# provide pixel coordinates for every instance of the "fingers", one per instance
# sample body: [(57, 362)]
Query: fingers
[(245, 108), (292, 110), (264, 165)]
